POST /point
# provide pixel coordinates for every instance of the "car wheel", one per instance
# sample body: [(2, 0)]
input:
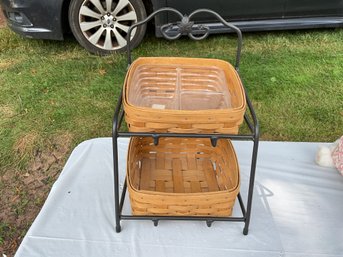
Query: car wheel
[(101, 26)]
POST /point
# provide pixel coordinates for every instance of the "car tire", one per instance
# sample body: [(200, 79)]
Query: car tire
[(101, 26)]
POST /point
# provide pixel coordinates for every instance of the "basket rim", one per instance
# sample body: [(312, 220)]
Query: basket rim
[(213, 193), (147, 192), (202, 62)]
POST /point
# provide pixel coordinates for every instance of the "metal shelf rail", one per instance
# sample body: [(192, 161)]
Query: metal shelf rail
[(195, 32)]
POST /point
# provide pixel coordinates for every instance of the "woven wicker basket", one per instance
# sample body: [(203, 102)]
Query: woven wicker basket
[(182, 177), (183, 95)]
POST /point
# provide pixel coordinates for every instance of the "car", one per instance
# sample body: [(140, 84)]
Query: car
[(101, 26)]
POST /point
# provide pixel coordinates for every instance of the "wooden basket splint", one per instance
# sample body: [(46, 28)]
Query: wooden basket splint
[(183, 95), (182, 177)]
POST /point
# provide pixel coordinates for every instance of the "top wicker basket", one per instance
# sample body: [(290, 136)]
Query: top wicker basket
[(183, 95)]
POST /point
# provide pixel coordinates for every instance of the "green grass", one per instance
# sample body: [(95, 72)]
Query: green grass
[(50, 88), (54, 95)]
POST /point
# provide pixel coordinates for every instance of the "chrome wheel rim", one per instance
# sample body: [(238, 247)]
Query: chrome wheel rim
[(105, 23)]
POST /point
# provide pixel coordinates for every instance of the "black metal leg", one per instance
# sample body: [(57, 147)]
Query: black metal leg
[(115, 128), (209, 223), (116, 183), (155, 221), (122, 198), (251, 185), (241, 204)]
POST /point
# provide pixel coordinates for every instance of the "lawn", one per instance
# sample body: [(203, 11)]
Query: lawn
[(54, 95)]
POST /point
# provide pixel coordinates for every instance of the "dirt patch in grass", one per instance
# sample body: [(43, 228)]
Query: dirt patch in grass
[(5, 64), (25, 144), (22, 193), (6, 111)]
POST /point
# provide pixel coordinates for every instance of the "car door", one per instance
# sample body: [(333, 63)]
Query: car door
[(233, 10), (313, 8)]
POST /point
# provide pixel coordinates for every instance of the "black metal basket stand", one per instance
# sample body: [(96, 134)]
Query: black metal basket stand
[(195, 32)]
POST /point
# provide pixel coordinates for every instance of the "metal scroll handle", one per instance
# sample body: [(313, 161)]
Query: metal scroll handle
[(186, 27)]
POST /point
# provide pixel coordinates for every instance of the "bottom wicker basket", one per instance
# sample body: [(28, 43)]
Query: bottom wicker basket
[(182, 177)]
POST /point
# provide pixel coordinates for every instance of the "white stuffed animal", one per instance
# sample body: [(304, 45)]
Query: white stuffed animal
[(331, 156)]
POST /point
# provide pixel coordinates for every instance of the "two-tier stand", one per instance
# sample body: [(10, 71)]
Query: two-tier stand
[(195, 32)]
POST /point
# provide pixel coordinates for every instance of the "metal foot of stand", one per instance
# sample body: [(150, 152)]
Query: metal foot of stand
[(245, 231), (209, 223), (185, 27)]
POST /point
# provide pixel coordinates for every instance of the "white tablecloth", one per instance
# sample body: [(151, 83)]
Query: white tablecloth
[(297, 211)]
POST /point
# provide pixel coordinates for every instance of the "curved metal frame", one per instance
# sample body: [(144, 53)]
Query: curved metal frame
[(185, 28)]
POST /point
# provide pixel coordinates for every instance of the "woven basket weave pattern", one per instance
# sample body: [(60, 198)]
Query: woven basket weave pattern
[(182, 176), (193, 96)]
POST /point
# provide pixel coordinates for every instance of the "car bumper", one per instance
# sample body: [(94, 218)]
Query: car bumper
[(31, 19)]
